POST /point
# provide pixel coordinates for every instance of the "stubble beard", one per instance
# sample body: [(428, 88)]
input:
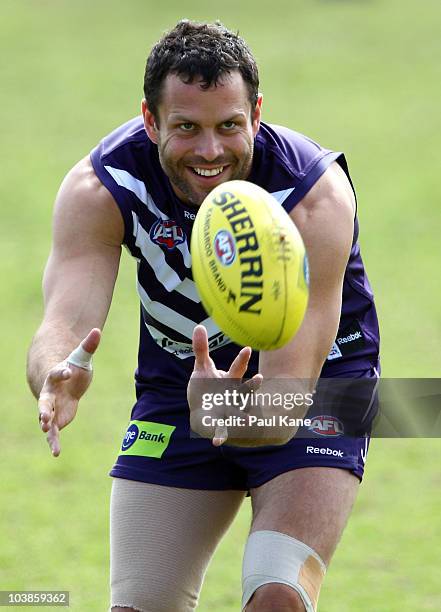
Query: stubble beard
[(191, 195)]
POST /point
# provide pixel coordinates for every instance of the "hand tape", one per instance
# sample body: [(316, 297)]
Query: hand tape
[(80, 358)]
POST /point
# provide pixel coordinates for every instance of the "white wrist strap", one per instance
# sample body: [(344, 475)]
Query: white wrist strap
[(80, 358)]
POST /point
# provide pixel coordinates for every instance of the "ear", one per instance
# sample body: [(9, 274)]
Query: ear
[(257, 114), (149, 122)]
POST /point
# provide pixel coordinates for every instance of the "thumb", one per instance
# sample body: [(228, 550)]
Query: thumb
[(220, 436), (81, 356), (92, 340)]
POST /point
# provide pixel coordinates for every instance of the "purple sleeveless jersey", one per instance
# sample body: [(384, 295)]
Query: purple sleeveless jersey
[(157, 446), (157, 233)]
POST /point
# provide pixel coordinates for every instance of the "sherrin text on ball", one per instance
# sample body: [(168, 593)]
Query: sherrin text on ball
[(249, 265)]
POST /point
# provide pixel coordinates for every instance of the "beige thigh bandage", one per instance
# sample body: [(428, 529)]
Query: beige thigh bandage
[(271, 556), (161, 541)]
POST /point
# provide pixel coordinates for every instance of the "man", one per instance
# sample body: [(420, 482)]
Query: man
[(173, 494)]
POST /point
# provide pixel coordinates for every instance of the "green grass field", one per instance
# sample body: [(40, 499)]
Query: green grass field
[(358, 76)]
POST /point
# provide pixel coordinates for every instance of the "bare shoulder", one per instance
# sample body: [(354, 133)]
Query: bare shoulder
[(326, 213), (331, 196), (84, 208)]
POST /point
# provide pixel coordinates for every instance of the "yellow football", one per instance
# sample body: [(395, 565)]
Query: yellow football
[(249, 265)]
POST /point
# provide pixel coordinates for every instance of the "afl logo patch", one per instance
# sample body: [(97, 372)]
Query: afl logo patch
[(166, 232), (131, 436), (224, 247), (326, 425)]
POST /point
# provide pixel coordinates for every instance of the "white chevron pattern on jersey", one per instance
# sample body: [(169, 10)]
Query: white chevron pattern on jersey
[(167, 276), (181, 324), (155, 257), (127, 180), (171, 318), (282, 195)]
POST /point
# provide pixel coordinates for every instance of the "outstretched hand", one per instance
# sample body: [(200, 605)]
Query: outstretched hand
[(62, 389), (205, 368)]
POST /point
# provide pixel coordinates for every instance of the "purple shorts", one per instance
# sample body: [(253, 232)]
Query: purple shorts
[(157, 447)]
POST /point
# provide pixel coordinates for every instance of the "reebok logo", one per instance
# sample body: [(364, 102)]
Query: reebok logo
[(349, 338), (189, 215), (315, 450)]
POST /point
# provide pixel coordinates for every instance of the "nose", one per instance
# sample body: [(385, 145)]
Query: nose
[(209, 146)]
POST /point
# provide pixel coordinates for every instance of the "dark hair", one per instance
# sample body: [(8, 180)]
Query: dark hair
[(202, 51)]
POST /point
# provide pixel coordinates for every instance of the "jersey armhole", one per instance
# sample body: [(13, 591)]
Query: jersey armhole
[(116, 191), (310, 179)]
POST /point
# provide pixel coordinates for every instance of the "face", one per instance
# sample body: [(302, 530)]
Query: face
[(204, 136)]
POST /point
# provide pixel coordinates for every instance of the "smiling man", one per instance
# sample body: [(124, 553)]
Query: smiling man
[(195, 157), (174, 495)]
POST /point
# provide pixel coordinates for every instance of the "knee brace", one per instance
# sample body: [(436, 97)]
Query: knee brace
[(271, 557)]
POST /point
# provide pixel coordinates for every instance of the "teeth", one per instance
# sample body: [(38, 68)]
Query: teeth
[(206, 172)]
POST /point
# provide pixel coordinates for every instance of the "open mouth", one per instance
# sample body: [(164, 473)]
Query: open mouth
[(208, 174)]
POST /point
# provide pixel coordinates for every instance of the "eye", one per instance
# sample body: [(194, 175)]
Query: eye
[(228, 125), (186, 127)]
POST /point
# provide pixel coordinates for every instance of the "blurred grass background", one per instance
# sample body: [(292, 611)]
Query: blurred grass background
[(362, 76)]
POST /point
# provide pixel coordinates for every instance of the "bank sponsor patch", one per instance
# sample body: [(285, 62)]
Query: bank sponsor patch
[(146, 439)]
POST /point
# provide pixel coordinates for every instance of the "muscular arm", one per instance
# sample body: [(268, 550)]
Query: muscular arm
[(81, 271), (325, 219)]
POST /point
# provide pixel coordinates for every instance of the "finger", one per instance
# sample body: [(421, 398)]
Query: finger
[(46, 403), (220, 436), (240, 363), (81, 356), (246, 388), (200, 348), (58, 374), (92, 340), (53, 440), (253, 383)]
